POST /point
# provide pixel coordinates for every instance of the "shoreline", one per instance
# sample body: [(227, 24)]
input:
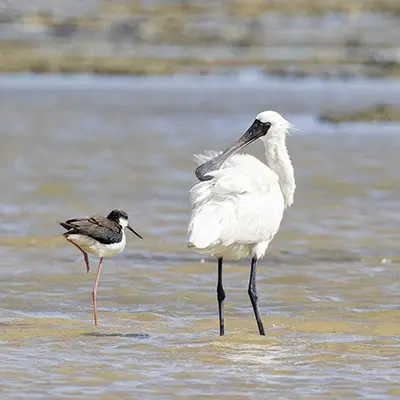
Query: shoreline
[(299, 38), (323, 68)]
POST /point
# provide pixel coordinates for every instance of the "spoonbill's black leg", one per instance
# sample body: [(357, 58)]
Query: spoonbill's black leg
[(221, 298), (254, 296)]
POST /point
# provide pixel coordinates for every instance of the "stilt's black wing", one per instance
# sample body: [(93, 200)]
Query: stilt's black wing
[(97, 227)]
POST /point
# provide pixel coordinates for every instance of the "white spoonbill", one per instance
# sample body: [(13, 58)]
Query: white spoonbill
[(238, 206)]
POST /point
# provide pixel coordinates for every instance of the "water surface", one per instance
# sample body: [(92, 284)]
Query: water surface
[(328, 286)]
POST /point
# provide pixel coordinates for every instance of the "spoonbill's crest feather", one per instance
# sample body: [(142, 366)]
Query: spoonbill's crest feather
[(208, 155)]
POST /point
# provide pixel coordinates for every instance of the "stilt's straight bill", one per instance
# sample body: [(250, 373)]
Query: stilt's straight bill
[(133, 231)]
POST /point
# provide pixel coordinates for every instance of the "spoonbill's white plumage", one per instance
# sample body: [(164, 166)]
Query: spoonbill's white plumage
[(238, 205)]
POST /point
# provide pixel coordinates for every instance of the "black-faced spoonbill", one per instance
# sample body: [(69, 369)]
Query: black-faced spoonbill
[(238, 205), (102, 236)]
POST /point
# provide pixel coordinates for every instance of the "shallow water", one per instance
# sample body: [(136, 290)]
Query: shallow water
[(328, 287)]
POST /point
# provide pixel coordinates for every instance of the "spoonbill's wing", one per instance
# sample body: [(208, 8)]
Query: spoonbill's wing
[(241, 204)]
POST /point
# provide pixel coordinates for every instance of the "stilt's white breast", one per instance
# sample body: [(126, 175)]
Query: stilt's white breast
[(92, 246)]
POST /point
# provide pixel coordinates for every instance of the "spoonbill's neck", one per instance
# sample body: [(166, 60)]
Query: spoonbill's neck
[(279, 161)]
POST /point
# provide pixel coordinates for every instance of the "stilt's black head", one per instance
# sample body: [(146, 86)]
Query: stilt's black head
[(121, 218), (116, 215)]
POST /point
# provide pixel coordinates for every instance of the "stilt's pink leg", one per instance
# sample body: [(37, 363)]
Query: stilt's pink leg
[(96, 284), (85, 256)]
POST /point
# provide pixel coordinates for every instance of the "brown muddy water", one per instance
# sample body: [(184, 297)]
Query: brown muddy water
[(328, 287)]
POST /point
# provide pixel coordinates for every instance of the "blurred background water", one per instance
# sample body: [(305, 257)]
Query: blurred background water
[(77, 139)]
